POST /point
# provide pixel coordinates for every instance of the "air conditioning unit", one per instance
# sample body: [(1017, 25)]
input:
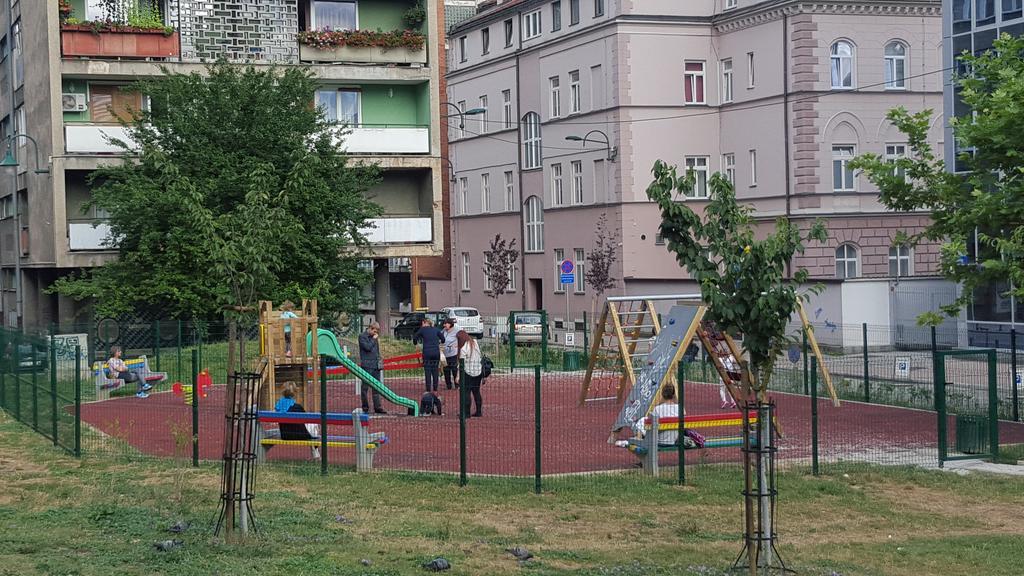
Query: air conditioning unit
[(72, 102)]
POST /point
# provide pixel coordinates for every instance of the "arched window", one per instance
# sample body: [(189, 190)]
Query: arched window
[(895, 66), (534, 225), (531, 141), (846, 261), (842, 64)]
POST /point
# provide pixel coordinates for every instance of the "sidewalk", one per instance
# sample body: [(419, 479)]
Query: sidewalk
[(963, 467)]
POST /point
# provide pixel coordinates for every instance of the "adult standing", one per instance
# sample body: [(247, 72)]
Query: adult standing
[(473, 358), (451, 353), (431, 338), (370, 360)]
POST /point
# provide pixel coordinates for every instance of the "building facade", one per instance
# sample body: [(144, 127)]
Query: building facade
[(776, 95), (62, 85)]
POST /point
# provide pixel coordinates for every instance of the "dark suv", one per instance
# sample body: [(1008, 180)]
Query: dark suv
[(411, 322)]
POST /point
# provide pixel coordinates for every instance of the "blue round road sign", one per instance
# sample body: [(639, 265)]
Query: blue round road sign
[(566, 267)]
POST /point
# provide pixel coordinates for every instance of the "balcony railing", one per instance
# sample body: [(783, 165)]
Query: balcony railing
[(83, 40), (399, 231), (88, 235), (385, 139), (94, 138)]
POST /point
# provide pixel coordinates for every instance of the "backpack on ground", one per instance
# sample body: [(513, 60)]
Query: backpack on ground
[(697, 437), (486, 367)]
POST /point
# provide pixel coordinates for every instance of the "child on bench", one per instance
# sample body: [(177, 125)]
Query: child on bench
[(292, 431)]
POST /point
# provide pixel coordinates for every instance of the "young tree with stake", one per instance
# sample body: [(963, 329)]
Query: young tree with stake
[(600, 261), (499, 262)]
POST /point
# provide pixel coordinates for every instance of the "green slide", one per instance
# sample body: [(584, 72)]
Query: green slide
[(328, 346)]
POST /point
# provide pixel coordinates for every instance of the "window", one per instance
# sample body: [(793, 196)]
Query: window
[(699, 165), (846, 261), (659, 240), (534, 225), (693, 82), (753, 167), (730, 4), (557, 192), (894, 152), (750, 69), (110, 104), (508, 33), (510, 192), (463, 204), (463, 48), (597, 87), (465, 271), (485, 192), (506, 108), (962, 15), (574, 12), (842, 64), (461, 105), (577, 182), (895, 66), (578, 262), (842, 174), (334, 15), (559, 256), (531, 25), (556, 16), (531, 141), (900, 261), (598, 8), (513, 271), (487, 277), (986, 12), (6, 207), (556, 105), (482, 104), (726, 81), (574, 91), (485, 41), (1011, 9), (341, 106), (729, 168), (17, 51)]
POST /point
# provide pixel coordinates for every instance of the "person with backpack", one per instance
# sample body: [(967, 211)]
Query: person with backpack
[(473, 365)]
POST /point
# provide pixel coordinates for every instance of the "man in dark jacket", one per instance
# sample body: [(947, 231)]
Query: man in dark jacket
[(431, 338), (370, 360)]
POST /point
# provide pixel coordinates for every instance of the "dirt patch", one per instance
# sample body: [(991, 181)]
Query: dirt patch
[(951, 506)]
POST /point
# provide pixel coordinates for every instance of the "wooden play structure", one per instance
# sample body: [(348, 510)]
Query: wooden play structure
[(283, 346)]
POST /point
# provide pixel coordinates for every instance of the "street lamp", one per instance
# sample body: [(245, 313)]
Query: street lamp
[(613, 151), (462, 114), (10, 161)]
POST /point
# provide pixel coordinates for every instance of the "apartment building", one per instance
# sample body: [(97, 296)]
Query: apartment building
[(582, 96), (62, 84)]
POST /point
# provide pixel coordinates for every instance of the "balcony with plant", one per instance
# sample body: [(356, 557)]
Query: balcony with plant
[(378, 32), (116, 29)]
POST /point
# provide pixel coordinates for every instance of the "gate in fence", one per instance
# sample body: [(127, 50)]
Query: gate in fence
[(967, 404)]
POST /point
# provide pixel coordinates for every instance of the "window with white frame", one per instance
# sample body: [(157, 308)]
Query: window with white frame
[(463, 48), (750, 69), (461, 105), (730, 4), (557, 192), (895, 66), (699, 166), (727, 80), (893, 152), (901, 260), (753, 167), (485, 41), (841, 64), (577, 182), (574, 12), (488, 286), (531, 141), (483, 114), (556, 16), (340, 106), (506, 108), (574, 92), (531, 25), (465, 271), (510, 192), (330, 14), (555, 90), (729, 168), (557, 265), (598, 8), (463, 204), (534, 224), (846, 261), (842, 174), (485, 192), (513, 272), (693, 83), (18, 54), (508, 33), (579, 261)]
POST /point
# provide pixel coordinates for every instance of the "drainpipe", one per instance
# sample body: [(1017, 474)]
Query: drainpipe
[(785, 120), (18, 291)]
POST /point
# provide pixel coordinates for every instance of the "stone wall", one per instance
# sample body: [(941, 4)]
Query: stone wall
[(239, 30)]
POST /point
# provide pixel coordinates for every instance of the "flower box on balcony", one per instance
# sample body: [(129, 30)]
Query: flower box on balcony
[(363, 46), (124, 42), (369, 54)]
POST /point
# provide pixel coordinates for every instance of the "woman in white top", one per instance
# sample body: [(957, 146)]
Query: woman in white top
[(472, 360)]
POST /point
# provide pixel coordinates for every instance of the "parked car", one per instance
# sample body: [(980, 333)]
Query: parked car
[(467, 319), (32, 358), (528, 327), (409, 323)]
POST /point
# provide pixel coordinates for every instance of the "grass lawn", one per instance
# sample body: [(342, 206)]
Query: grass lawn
[(96, 516)]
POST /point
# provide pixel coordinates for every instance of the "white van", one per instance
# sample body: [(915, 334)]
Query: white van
[(467, 319)]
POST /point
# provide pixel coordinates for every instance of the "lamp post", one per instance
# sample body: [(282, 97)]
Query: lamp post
[(10, 161), (463, 113), (613, 151)]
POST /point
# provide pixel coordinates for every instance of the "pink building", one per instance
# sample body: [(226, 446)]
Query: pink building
[(778, 95)]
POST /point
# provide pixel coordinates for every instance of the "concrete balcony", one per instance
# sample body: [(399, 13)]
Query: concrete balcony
[(363, 55), (88, 235), (368, 139), (399, 231), (81, 40), (94, 138)]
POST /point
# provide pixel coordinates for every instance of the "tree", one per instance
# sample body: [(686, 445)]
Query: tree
[(233, 189), (499, 261), (601, 259), (988, 197)]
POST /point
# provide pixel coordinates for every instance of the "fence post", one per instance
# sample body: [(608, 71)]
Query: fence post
[(323, 417), (1013, 374), (34, 358), (156, 343), (511, 342), (4, 363), (17, 381), (536, 430), (53, 386), (195, 408), (544, 337), (178, 363), (681, 434), (78, 400), (463, 397), (814, 416), (939, 374), (586, 338), (806, 369), (867, 380), (993, 406), (935, 369)]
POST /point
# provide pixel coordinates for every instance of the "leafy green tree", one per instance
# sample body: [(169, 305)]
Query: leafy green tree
[(988, 197), (238, 191)]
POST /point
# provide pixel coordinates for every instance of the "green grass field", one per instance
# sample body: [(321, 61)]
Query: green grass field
[(101, 516)]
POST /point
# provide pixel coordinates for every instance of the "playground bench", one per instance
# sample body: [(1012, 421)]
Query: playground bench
[(365, 442), (647, 449), (105, 381)]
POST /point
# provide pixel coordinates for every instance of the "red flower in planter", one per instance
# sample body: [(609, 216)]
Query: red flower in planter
[(327, 39)]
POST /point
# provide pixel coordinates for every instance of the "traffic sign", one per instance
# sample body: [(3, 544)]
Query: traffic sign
[(567, 279), (566, 267)]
